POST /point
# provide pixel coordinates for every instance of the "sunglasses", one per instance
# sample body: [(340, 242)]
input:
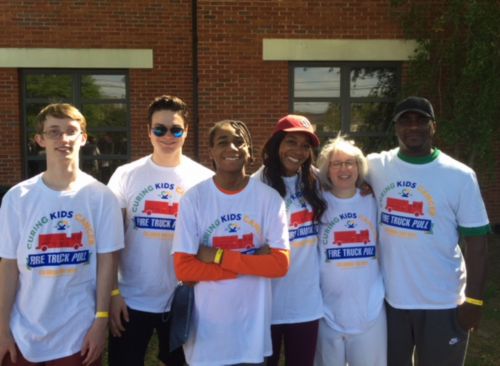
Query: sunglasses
[(159, 131)]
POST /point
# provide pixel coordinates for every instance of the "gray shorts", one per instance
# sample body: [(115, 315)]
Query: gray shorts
[(431, 337)]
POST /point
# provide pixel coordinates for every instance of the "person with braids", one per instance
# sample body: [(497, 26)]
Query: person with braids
[(231, 238), (297, 306)]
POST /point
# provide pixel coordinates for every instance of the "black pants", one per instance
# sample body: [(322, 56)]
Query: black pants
[(130, 348)]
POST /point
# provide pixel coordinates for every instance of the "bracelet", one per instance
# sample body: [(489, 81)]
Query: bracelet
[(102, 314), (115, 292), (472, 301), (218, 256)]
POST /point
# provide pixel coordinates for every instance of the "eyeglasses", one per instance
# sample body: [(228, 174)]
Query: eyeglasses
[(348, 164), (57, 134), (161, 130)]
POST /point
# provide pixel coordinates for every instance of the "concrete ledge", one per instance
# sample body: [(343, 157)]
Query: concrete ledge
[(337, 49), (87, 58)]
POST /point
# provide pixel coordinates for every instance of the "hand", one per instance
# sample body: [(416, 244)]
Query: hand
[(469, 316), (263, 250), (206, 254), (118, 313), (365, 189), (95, 341), (7, 346)]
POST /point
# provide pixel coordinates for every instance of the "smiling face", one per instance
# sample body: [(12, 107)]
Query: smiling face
[(343, 173), (167, 145), (294, 150), (415, 132), (62, 139), (229, 150)]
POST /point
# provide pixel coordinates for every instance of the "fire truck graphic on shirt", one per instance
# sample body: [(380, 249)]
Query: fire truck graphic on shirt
[(301, 217), (59, 240), (395, 204), (301, 225), (161, 207), (59, 249), (351, 236), (154, 218), (233, 242)]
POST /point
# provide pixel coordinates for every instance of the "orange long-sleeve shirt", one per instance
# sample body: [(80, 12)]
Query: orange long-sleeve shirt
[(189, 269)]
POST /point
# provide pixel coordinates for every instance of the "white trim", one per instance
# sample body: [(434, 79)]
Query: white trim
[(87, 58), (338, 49)]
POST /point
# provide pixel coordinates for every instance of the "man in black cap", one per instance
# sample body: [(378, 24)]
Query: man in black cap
[(427, 201)]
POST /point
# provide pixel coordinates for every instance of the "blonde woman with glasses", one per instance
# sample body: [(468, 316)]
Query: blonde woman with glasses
[(353, 329)]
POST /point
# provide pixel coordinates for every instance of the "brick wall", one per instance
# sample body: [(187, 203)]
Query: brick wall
[(234, 81)]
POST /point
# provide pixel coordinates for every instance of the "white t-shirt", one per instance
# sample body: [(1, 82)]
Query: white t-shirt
[(421, 207), (351, 281), (151, 194), (231, 318), (55, 237), (297, 296)]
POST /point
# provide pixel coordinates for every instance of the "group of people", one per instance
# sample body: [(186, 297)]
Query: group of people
[(300, 256)]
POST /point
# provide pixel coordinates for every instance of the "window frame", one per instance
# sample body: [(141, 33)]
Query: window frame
[(345, 100)]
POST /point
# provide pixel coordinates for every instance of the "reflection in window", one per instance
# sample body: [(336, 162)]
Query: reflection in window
[(101, 97), (354, 98), (317, 82), (50, 87), (371, 117), (103, 86), (373, 82)]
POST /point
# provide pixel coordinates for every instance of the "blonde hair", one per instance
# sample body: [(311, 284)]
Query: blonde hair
[(60, 110), (346, 146)]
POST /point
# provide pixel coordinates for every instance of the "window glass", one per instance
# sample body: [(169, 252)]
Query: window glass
[(53, 87), (354, 98), (373, 82), (371, 117), (103, 87), (317, 82), (105, 115)]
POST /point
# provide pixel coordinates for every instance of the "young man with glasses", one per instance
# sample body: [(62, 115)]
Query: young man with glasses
[(149, 190), (426, 201), (57, 251)]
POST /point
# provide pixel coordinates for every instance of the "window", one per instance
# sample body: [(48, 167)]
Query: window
[(354, 98), (102, 97)]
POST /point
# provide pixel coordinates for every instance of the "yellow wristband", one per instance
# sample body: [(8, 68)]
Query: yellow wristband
[(115, 292), (472, 301), (102, 314), (218, 256)]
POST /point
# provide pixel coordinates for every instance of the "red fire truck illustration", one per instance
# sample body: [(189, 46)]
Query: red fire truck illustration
[(160, 207), (351, 236), (60, 240), (233, 242), (416, 208), (301, 217)]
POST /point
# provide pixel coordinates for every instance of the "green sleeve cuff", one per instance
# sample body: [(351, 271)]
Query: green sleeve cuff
[(475, 231)]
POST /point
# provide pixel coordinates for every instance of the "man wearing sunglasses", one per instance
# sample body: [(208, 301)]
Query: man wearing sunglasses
[(149, 190)]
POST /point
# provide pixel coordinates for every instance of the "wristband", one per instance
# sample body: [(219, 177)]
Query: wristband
[(472, 301), (115, 292), (218, 256), (102, 314)]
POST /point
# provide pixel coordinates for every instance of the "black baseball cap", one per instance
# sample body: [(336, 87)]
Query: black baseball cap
[(414, 104)]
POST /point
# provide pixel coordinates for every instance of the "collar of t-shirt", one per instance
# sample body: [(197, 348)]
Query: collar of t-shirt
[(419, 159)]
